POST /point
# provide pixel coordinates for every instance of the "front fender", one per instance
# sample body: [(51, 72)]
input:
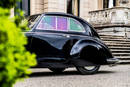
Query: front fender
[(78, 47)]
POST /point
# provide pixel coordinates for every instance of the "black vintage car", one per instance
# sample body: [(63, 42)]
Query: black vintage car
[(62, 40)]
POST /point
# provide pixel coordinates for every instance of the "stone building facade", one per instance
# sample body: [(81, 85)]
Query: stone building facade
[(114, 19), (77, 7), (84, 6), (100, 13)]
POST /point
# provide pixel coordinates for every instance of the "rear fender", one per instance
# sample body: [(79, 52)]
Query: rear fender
[(77, 48), (80, 45)]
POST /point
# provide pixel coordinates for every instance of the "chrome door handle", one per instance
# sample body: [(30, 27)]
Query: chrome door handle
[(66, 35)]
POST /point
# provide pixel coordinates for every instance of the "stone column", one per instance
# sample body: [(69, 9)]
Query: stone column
[(12, 12), (36, 6), (100, 4), (110, 4), (75, 7)]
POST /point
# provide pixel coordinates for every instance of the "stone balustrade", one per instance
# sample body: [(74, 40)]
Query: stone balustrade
[(116, 16)]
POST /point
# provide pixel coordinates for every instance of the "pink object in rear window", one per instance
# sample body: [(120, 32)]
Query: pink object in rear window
[(61, 24)]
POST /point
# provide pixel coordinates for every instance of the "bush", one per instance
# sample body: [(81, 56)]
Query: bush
[(8, 3), (14, 59)]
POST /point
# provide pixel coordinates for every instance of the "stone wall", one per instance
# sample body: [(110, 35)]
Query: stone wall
[(56, 5), (110, 17), (36, 6), (116, 31), (86, 6), (40, 6)]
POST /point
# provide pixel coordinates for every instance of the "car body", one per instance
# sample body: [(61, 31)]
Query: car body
[(62, 40)]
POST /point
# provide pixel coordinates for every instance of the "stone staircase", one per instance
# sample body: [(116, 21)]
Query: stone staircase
[(119, 46)]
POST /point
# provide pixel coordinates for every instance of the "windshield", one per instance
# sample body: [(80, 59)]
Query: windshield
[(32, 20)]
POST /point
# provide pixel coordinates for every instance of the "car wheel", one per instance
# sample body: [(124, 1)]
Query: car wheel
[(57, 70), (87, 70)]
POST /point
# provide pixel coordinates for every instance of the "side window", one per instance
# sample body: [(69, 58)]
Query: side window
[(47, 23), (62, 24), (75, 26), (59, 23)]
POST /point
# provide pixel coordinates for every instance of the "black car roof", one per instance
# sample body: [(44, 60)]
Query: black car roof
[(67, 15), (55, 13), (61, 14)]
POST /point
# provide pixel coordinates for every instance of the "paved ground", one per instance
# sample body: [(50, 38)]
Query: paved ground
[(118, 76)]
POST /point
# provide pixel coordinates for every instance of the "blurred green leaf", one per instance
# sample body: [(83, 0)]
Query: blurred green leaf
[(15, 60)]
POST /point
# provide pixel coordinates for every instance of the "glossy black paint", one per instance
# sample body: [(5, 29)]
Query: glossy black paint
[(67, 49)]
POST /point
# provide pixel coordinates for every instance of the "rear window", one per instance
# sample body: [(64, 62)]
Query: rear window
[(59, 23), (75, 26), (48, 23), (62, 24)]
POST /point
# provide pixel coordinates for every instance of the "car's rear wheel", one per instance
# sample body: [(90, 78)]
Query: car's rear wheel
[(87, 70), (57, 70)]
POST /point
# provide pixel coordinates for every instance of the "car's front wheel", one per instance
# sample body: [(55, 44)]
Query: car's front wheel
[(57, 70), (87, 70)]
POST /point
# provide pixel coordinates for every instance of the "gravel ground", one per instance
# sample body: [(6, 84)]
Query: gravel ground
[(118, 76)]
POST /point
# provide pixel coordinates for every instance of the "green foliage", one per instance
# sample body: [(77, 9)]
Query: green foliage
[(20, 20), (14, 59), (8, 3)]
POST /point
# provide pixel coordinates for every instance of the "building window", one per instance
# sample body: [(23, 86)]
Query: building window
[(69, 6), (73, 7), (105, 4), (109, 3), (25, 6)]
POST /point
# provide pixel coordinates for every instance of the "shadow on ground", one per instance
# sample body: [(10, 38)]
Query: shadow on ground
[(65, 73)]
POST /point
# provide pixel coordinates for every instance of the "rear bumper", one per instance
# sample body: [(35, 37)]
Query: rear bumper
[(113, 61)]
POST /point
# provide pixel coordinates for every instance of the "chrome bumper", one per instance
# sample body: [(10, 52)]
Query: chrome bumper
[(113, 61)]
